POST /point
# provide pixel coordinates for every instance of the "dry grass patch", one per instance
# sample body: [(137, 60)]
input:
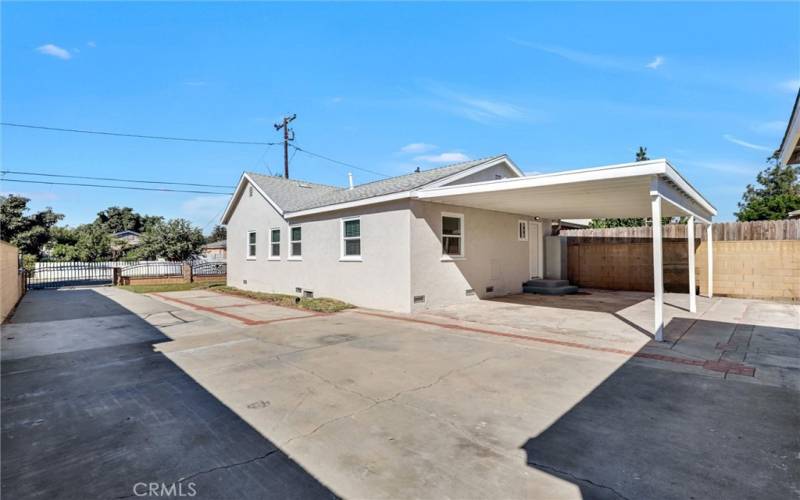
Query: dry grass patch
[(322, 304)]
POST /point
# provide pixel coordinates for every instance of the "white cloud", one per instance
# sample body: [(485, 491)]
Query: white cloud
[(789, 85), (195, 83), (771, 127), (745, 144), (417, 147), (478, 109), (91, 44), (452, 157), (655, 63), (337, 99), (576, 56), (54, 50), (724, 166)]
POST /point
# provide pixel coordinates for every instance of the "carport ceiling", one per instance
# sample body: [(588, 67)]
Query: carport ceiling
[(617, 191)]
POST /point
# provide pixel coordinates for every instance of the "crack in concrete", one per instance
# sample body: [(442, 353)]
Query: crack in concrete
[(581, 479), (381, 401), (213, 469)]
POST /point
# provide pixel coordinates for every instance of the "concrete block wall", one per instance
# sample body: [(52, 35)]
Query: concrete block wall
[(752, 269), (12, 286)]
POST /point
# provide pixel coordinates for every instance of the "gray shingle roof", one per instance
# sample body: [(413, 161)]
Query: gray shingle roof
[(293, 195)]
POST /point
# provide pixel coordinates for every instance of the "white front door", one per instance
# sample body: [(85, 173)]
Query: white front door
[(535, 254)]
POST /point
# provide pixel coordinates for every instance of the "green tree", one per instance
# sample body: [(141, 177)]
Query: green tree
[(219, 233), (176, 239), (116, 219), (641, 155), (86, 243), (29, 233), (777, 194)]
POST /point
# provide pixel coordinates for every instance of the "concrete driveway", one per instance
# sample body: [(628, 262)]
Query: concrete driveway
[(514, 398)]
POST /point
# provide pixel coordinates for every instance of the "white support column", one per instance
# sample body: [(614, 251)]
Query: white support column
[(710, 245), (692, 278), (658, 269)]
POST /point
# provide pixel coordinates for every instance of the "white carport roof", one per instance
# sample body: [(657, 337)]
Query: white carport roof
[(623, 190), (650, 188)]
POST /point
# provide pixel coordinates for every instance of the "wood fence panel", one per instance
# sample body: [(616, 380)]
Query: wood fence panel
[(751, 259), (772, 230)]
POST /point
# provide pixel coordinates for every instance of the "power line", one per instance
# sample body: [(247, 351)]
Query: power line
[(350, 165), (42, 174), (138, 136), (135, 188), (193, 139)]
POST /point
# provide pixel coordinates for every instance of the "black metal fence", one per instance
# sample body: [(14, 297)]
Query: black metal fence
[(55, 274), (207, 268), (58, 274)]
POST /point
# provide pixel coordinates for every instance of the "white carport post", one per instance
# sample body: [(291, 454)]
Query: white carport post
[(658, 268), (709, 238), (692, 283)]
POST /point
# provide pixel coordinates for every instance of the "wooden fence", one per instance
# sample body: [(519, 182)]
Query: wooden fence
[(751, 259), (772, 230)]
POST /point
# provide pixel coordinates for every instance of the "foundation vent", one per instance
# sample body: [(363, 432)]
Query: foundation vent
[(244, 282), (308, 294), (419, 299), (470, 291), (297, 289), (489, 289)]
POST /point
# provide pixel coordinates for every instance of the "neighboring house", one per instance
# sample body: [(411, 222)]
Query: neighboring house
[(789, 151), (215, 251), (131, 238), (431, 238)]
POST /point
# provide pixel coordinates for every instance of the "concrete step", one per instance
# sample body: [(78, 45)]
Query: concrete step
[(551, 290), (541, 283)]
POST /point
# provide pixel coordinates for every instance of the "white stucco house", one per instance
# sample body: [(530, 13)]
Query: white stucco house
[(454, 234)]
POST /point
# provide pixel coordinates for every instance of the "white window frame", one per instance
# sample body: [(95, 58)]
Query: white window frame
[(292, 256), (520, 225), (272, 256), (247, 245), (343, 239), (462, 236)]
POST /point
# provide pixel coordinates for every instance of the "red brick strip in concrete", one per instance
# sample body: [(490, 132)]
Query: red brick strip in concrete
[(719, 366), (246, 321)]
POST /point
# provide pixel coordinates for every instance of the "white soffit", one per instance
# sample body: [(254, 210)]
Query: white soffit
[(612, 191)]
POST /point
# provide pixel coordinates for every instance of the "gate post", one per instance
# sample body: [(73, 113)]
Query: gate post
[(116, 274), (186, 272)]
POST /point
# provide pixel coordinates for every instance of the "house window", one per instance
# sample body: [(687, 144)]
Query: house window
[(275, 243), (453, 235), (522, 230), (251, 244), (296, 242), (351, 239)]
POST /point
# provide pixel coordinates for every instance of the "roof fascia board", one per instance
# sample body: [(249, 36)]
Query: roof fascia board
[(237, 194), (792, 134), (574, 176), (350, 204), (658, 187), (682, 183)]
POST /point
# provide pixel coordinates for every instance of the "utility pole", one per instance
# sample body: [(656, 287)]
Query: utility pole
[(286, 138)]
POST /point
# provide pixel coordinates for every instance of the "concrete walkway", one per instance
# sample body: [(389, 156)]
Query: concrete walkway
[(504, 399), (91, 410)]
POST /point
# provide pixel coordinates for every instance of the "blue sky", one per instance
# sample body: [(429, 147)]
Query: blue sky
[(389, 87)]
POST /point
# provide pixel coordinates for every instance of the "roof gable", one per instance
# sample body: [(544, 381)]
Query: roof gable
[(290, 195)]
